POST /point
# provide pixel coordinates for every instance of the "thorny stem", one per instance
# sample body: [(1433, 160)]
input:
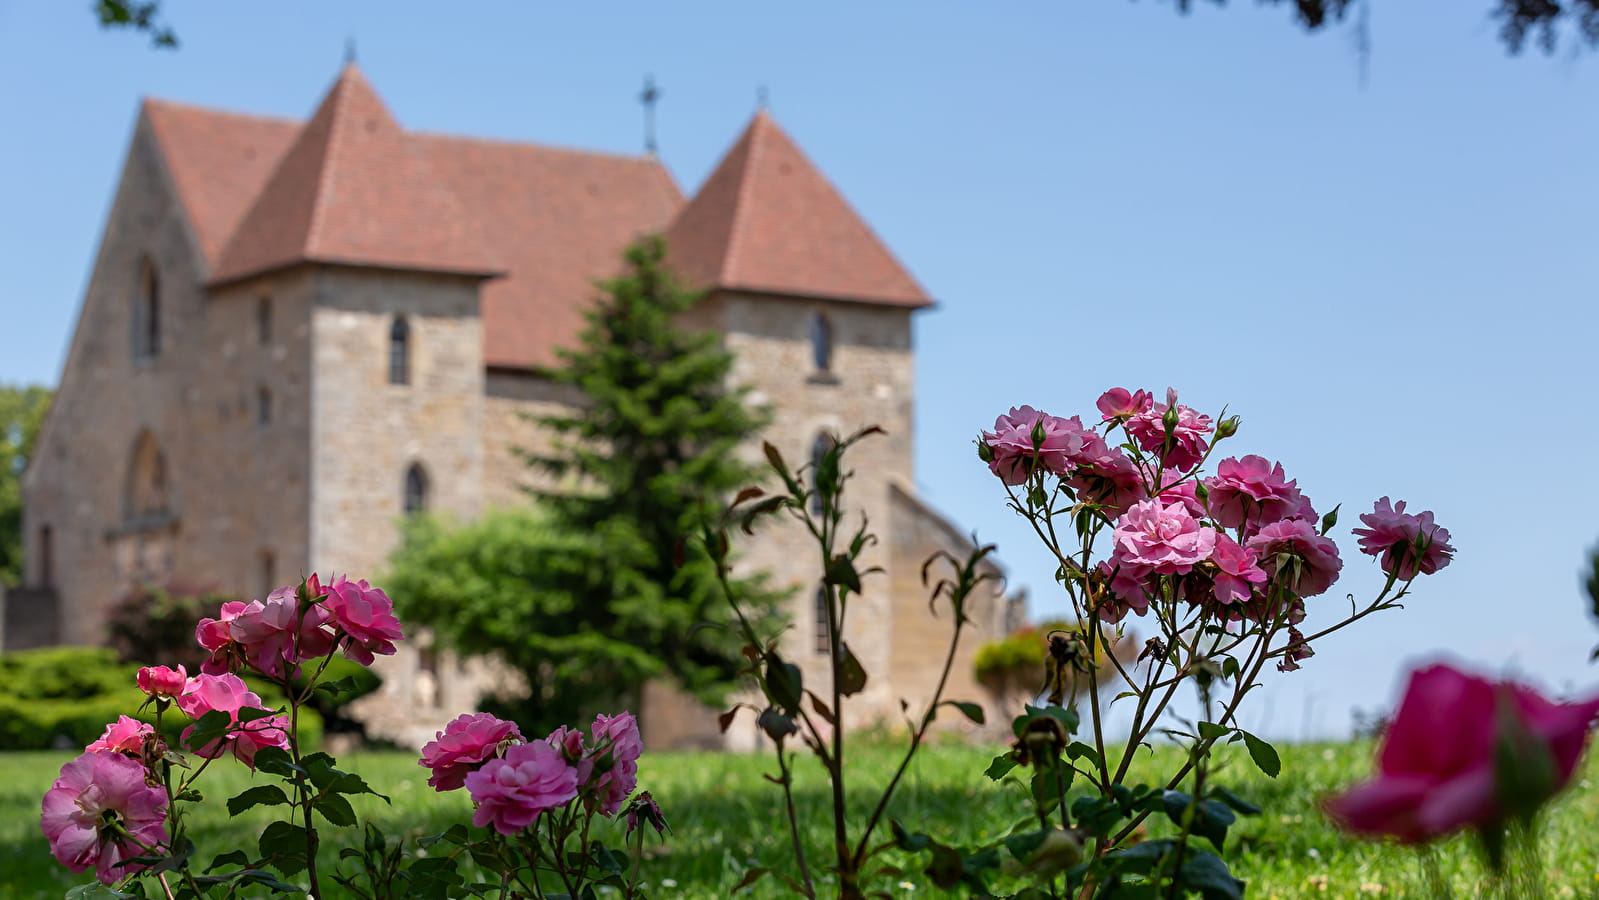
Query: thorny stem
[(793, 823)]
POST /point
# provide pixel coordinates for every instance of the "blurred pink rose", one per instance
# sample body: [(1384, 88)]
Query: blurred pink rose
[(93, 791), (160, 681), (465, 743), (125, 735), (1437, 769), (1164, 539), (618, 766), (1188, 438), (230, 694), (1253, 490), (570, 742), (1318, 563), (510, 793), (1409, 544), (366, 615)]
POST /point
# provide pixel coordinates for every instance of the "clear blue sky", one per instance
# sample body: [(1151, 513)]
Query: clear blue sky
[(1393, 282)]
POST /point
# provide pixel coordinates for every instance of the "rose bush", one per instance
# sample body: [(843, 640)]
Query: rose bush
[(118, 807)]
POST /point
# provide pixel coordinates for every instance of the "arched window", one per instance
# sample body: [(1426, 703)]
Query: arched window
[(416, 489), (269, 572), (263, 405), (400, 351), (147, 313), (819, 448), (263, 320), (823, 633), (145, 491), (822, 342)]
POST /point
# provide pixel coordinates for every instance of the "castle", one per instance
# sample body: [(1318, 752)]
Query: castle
[(297, 332)]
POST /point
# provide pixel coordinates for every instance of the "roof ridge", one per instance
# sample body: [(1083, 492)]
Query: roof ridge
[(533, 145), (742, 198), (185, 106)]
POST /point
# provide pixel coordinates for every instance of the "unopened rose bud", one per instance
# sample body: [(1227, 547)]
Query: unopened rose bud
[(1227, 427), (1038, 434), (985, 452), (160, 681), (1170, 419)]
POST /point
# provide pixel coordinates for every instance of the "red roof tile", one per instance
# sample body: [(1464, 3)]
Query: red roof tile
[(353, 189), (767, 221), (350, 186)]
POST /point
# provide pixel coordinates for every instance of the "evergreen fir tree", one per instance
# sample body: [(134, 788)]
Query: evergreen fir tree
[(584, 593)]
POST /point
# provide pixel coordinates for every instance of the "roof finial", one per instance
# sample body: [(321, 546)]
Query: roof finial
[(649, 97), (761, 100), (349, 51)]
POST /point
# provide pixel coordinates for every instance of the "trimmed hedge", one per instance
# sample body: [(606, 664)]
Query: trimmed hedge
[(68, 695)]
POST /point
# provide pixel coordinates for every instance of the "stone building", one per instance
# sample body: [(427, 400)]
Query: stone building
[(297, 332)]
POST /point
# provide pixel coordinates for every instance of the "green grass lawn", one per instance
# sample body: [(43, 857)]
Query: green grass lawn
[(725, 818)]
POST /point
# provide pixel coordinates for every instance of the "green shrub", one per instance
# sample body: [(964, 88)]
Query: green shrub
[(70, 695)]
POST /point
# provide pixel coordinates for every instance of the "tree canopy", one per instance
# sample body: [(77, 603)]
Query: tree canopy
[(582, 592), (21, 413)]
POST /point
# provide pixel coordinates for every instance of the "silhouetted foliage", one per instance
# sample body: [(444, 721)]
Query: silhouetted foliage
[(140, 15), (1518, 19), (22, 411), (153, 625)]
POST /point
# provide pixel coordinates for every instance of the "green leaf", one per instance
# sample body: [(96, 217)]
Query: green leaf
[(1000, 767), (212, 726), (276, 761), (851, 676), (784, 684), (968, 709), (1237, 803), (753, 875), (260, 795), (1206, 872), (230, 858), (605, 860), (336, 809), (1211, 731), (95, 891), (455, 834), (1264, 754), (841, 572), (776, 725), (282, 844), (1078, 750)]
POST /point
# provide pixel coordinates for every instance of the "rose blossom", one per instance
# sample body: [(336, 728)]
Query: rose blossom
[(217, 636), (1440, 767), (93, 792), (1014, 454), (464, 744), (1125, 590), (1188, 438), (1319, 562), (229, 694), (160, 681), (618, 767), (125, 735), (1107, 477), (1408, 544), (1163, 539), (510, 793), (275, 636), (1253, 490), (1117, 403), (1172, 487), (366, 615), (1236, 569), (570, 742)]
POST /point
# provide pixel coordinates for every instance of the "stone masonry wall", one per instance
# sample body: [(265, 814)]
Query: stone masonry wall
[(367, 432)]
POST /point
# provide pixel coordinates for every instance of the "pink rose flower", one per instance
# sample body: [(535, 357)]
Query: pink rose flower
[(275, 637), (92, 792), (125, 735), (1184, 492), (1164, 539), (1127, 591), (1237, 570), (366, 616), (1188, 438), (1253, 490), (229, 694), (1107, 477), (160, 681), (618, 766), (216, 635), (1318, 563), (510, 793), (570, 742), (1117, 403), (1014, 454), (1439, 769), (1408, 544), (466, 743)]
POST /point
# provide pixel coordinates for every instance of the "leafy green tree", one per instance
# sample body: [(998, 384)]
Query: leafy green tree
[(21, 413), (592, 592)]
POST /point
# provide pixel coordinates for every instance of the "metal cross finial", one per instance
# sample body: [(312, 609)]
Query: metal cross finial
[(349, 51), (761, 100), (649, 98)]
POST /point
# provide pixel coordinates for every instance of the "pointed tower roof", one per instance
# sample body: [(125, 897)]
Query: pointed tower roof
[(767, 221), (352, 189)]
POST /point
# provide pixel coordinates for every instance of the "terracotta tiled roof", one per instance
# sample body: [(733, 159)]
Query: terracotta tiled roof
[(350, 186), (353, 189), (767, 221)]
